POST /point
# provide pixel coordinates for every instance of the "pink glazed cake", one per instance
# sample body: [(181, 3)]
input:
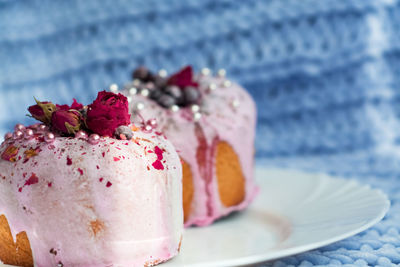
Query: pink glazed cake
[(88, 189), (211, 122)]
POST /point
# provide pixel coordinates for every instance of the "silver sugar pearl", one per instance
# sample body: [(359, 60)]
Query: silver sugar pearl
[(197, 116), (136, 82), (113, 88), (28, 134), (139, 106), (49, 137), (19, 127), (221, 73), (81, 135), (195, 108), (145, 92), (227, 83), (174, 108), (133, 91), (94, 139), (235, 103), (205, 71), (18, 134), (212, 86), (42, 128), (163, 73), (8, 136), (129, 98)]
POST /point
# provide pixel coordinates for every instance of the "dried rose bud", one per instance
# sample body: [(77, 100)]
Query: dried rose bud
[(107, 112), (42, 111), (66, 121), (75, 105)]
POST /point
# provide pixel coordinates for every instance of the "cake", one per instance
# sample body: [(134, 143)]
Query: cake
[(211, 122), (87, 188)]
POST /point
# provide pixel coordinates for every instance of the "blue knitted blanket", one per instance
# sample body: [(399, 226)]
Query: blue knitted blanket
[(324, 73)]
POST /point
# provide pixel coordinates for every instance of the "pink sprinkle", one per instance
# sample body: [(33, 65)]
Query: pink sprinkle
[(118, 148), (101, 179), (69, 161), (49, 184), (116, 159), (103, 154), (32, 180), (159, 153), (158, 165), (80, 171), (112, 143), (97, 166), (108, 184), (84, 153)]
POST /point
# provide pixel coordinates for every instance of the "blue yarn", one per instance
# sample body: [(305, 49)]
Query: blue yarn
[(325, 76)]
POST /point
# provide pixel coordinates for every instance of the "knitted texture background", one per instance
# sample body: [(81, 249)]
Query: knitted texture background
[(325, 75)]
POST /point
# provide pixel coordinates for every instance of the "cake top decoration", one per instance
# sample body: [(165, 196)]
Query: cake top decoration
[(103, 117), (178, 90)]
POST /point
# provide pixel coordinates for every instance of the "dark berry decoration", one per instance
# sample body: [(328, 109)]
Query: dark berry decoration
[(179, 89), (124, 130), (174, 91), (191, 94), (160, 82), (166, 101), (141, 73), (155, 94)]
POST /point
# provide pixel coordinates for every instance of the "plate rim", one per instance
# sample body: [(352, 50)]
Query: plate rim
[(274, 255)]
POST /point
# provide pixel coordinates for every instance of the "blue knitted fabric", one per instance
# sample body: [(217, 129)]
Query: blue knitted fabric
[(325, 75)]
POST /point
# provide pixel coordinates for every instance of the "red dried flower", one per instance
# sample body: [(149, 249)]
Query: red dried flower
[(66, 121), (107, 112), (42, 111), (183, 78), (75, 105)]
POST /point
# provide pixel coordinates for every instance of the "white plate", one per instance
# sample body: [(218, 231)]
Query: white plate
[(294, 212)]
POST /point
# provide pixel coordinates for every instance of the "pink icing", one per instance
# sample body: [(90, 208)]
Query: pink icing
[(221, 120), (137, 212)]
